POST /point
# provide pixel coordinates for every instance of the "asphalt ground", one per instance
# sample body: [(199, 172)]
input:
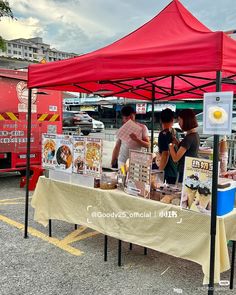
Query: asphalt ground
[(39, 266)]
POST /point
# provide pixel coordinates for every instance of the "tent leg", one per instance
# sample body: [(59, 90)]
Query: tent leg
[(152, 131), (145, 251), (232, 266), (28, 164), (119, 252), (50, 228), (105, 247), (214, 200)]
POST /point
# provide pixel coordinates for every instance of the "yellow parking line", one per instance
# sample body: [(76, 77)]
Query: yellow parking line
[(63, 244), (55, 242), (42, 236), (84, 236), (10, 203), (13, 199), (75, 236), (72, 235)]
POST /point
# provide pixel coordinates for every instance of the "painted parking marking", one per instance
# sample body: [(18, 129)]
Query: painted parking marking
[(54, 241), (10, 203), (64, 244), (75, 235), (13, 199)]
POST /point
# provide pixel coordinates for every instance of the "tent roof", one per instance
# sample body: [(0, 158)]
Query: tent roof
[(173, 43), (13, 74)]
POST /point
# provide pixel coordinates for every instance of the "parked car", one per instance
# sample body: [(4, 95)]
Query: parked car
[(75, 120), (98, 126)]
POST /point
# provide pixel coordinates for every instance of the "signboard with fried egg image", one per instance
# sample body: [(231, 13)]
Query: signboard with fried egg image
[(64, 153), (217, 113), (49, 146), (78, 154), (93, 157), (197, 183)]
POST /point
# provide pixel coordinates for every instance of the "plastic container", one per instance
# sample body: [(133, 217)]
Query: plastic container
[(59, 176), (157, 178), (85, 180), (226, 199), (223, 155), (108, 180)]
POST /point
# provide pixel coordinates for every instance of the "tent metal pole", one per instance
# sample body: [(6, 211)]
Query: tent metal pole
[(214, 198), (152, 131), (28, 164)]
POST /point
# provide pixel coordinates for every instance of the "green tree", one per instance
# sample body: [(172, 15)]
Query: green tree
[(5, 11), (2, 44)]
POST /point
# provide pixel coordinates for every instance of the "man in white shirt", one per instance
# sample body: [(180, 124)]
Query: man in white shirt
[(121, 149)]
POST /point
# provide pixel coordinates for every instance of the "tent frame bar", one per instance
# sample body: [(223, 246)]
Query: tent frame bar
[(167, 92)]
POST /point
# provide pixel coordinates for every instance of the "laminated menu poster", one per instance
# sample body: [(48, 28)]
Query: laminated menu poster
[(197, 185), (49, 146), (78, 154), (129, 127), (93, 157), (64, 153), (139, 176)]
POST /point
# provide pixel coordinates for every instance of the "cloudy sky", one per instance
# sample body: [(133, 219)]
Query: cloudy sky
[(84, 25)]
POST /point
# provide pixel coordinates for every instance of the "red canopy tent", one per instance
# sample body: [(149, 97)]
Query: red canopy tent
[(173, 56), (173, 44)]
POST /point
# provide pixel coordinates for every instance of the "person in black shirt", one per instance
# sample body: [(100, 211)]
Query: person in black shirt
[(164, 139), (189, 146)]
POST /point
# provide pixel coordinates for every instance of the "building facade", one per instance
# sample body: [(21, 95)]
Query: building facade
[(33, 50)]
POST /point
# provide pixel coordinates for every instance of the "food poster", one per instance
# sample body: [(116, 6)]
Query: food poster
[(78, 154), (197, 185), (64, 153), (139, 176), (93, 157), (217, 113), (49, 146)]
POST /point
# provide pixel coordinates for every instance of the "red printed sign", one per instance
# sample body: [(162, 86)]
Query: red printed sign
[(13, 136), (141, 108)]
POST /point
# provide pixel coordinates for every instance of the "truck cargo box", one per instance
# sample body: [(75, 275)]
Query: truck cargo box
[(46, 118)]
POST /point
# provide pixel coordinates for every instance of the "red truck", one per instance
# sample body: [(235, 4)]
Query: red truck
[(46, 118)]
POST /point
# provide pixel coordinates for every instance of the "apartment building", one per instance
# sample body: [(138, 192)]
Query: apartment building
[(33, 49)]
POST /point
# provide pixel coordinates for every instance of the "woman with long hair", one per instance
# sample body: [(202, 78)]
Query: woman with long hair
[(189, 146)]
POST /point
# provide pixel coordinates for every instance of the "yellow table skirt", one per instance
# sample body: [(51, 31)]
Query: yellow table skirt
[(162, 227)]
